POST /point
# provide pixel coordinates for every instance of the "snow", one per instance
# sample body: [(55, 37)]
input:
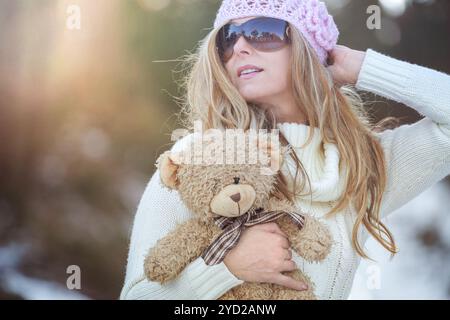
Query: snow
[(29, 288), (417, 271)]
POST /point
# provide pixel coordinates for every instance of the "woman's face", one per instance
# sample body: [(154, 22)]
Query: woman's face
[(267, 86)]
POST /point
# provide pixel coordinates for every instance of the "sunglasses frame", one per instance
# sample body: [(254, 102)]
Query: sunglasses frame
[(241, 28)]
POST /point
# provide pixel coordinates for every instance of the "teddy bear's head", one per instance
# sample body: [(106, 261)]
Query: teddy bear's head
[(219, 177)]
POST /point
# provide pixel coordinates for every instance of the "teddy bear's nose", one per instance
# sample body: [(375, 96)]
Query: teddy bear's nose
[(236, 197)]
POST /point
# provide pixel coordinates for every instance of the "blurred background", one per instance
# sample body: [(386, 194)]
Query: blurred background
[(84, 113)]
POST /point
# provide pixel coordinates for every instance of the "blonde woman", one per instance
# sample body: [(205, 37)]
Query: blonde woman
[(275, 64)]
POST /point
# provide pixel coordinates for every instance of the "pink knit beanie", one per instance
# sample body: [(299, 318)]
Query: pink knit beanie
[(310, 17)]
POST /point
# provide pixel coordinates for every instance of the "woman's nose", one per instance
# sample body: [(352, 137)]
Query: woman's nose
[(241, 45)]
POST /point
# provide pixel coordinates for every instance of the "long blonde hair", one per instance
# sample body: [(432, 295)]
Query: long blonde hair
[(339, 113)]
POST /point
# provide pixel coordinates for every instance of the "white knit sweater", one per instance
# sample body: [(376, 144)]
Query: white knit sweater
[(418, 155)]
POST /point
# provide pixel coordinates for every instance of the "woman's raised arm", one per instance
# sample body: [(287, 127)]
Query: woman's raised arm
[(418, 154)]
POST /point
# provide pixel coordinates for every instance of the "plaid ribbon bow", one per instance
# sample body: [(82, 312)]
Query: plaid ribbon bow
[(233, 227)]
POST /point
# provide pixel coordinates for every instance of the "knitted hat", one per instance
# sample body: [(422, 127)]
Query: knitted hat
[(310, 17)]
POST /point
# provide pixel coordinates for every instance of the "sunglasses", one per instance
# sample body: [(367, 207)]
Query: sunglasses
[(264, 34)]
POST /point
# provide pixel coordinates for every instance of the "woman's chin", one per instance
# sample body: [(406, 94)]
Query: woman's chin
[(250, 96)]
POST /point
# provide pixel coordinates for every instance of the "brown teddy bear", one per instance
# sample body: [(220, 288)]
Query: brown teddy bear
[(225, 198)]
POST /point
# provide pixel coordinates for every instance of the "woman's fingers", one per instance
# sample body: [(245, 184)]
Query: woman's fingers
[(288, 282), (264, 247), (346, 64), (288, 265), (288, 254), (271, 227)]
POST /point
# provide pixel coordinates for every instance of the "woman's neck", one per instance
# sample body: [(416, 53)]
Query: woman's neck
[(303, 121), (285, 110)]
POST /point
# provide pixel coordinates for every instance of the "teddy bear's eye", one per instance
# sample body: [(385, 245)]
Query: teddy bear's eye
[(236, 180)]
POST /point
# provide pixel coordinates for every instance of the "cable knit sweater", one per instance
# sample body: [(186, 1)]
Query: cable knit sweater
[(418, 155)]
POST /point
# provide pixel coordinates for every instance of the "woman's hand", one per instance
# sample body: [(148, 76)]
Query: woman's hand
[(345, 64), (262, 253)]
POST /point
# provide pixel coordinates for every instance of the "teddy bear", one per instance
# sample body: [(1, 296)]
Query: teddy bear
[(225, 197)]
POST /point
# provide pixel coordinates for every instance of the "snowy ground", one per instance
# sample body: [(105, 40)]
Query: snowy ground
[(28, 288), (418, 271)]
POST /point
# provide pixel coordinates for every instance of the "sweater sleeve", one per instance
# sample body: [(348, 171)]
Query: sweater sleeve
[(158, 212), (418, 154)]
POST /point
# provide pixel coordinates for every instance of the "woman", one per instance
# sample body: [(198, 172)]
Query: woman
[(342, 169)]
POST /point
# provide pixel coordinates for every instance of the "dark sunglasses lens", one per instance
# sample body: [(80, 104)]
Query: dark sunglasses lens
[(226, 41), (267, 34), (264, 34)]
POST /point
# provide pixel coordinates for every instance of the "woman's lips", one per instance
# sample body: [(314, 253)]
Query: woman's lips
[(250, 75)]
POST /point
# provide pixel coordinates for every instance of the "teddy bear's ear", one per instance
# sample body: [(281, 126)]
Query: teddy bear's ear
[(168, 164)]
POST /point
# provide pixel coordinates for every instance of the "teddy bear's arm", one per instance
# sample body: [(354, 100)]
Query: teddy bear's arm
[(313, 242), (177, 249)]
